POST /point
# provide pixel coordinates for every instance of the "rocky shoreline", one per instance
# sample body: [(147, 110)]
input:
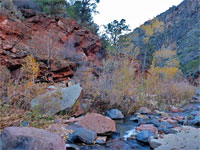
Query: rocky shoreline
[(144, 130)]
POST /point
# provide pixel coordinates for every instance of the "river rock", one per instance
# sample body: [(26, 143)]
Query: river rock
[(58, 100), (186, 139), (27, 138), (170, 120), (101, 140), (114, 114), (72, 147), (153, 142), (144, 136), (118, 144), (144, 110), (148, 127), (196, 120), (153, 121), (82, 135), (97, 123), (198, 92), (163, 114)]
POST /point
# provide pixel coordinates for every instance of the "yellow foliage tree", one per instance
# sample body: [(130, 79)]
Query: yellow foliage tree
[(31, 68), (154, 26)]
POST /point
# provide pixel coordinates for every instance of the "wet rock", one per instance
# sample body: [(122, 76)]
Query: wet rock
[(82, 135), (166, 124), (148, 127), (198, 92), (134, 118), (118, 144), (101, 140), (57, 100), (138, 145), (97, 123), (170, 120), (165, 127), (26, 138), (178, 118), (153, 142), (144, 110), (194, 113), (166, 130), (153, 121), (186, 139), (72, 147), (114, 114), (196, 120), (144, 136), (139, 118)]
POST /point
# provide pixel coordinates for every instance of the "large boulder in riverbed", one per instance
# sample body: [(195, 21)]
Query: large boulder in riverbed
[(26, 138), (57, 100), (187, 138), (97, 123)]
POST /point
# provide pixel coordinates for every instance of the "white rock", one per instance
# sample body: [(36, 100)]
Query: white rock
[(187, 139)]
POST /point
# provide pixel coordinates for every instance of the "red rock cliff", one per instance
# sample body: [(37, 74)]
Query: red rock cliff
[(56, 44)]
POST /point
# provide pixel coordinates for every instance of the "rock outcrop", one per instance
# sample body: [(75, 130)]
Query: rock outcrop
[(181, 33), (57, 44)]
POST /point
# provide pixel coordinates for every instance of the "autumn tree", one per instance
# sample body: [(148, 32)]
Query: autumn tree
[(31, 68), (115, 29), (154, 26)]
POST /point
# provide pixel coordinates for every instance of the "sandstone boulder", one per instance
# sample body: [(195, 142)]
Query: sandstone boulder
[(187, 138), (97, 123), (26, 138), (58, 100)]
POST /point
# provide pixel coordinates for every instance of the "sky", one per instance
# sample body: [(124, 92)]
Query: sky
[(136, 12)]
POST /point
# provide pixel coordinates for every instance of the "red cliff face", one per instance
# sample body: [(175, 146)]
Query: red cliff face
[(57, 44)]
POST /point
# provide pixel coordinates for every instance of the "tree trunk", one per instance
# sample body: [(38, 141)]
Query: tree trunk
[(144, 60)]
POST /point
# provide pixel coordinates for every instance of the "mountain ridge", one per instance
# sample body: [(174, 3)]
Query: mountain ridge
[(181, 33)]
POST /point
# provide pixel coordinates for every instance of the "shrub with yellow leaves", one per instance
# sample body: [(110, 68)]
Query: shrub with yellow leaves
[(31, 68), (19, 92), (162, 85), (120, 84)]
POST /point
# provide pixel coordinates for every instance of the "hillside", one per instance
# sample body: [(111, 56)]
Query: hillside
[(181, 33)]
